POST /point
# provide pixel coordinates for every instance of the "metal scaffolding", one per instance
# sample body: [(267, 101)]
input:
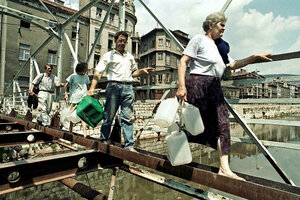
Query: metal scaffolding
[(114, 155)]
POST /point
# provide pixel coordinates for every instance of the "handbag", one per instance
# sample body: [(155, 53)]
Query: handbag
[(36, 88)]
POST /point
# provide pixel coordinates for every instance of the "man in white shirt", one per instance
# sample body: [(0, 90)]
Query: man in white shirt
[(120, 67), (47, 83)]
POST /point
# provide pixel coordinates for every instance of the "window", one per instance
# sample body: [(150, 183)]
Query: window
[(74, 29), (145, 47), (160, 56), (96, 59), (126, 24), (98, 13), (133, 49), (168, 43), (24, 24), (167, 78), (24, 52), (153, 43), (167, 59), (152, 60), (160, 78), (160, 42), (153, 79), (52, 57), (177, 61), (111, 19), (110, 42), (98, 41)]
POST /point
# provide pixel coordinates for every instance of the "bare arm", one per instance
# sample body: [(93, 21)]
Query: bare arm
[(31, 90), (59, 85), (142, 71), (249, 60), (182, 65), (96, 78), (66, 90)]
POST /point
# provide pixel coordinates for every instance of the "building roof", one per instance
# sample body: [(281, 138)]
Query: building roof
[(59, 6), (176, 33)]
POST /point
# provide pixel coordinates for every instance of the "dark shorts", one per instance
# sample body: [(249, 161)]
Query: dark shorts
[(205, 92)]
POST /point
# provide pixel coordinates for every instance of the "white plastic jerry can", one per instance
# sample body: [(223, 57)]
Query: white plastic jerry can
[(179, 149), (166, 113), (192, 119), (73, 117)]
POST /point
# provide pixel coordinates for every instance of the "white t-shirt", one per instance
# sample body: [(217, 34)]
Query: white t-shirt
[(78, 87), (206, 59), (117, 67), (47, 82)]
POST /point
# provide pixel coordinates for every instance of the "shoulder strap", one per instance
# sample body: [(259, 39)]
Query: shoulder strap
[(41, 79)]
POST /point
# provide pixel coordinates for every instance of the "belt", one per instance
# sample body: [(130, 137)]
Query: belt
[(47, 91), (121, 82), (213, 77)]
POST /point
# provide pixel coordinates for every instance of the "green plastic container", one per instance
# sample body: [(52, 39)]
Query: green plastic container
[(90, 110)]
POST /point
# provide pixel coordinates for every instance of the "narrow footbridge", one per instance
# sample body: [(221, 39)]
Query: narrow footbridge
[(19, 175)]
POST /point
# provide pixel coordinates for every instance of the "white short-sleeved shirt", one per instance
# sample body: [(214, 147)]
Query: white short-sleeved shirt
[(117, 67), (206, 59), (47, 82), (78, 87)]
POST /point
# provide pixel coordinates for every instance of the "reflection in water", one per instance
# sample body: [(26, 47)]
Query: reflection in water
[(247, 159), (244, 158)]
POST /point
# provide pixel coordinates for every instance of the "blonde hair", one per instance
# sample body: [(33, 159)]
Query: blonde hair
[(213, 18)]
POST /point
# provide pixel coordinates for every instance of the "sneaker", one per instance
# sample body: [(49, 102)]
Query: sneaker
[(132, 149)]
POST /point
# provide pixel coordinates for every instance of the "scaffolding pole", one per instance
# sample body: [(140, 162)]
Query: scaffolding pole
[(100, 31)]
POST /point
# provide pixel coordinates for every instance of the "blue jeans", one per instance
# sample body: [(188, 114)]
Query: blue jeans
[(118, 94)]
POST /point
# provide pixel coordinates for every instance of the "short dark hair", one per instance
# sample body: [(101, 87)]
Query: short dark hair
[(49, 66), (124, 33), (80, 67)]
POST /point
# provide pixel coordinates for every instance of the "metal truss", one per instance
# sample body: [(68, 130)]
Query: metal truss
[(14, 176)]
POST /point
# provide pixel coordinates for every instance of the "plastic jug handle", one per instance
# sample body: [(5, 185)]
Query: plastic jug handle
[(181, 102)]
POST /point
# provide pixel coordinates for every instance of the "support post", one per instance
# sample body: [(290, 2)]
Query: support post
[(112, 184), (72, 50), (76, 41), (121, 15), (168, 32), (224, 8), (3, 30), (48, 10)]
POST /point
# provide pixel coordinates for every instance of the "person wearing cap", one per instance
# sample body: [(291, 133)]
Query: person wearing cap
[(120, 68), (47, 83), (207, 56)]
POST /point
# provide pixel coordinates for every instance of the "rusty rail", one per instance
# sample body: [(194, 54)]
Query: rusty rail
[(254, 188), (83, 190), (18, 175)]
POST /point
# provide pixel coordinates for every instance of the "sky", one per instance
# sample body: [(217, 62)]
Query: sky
[(253, 26)]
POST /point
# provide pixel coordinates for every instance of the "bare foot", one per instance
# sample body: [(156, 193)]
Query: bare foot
[(231, 175)]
